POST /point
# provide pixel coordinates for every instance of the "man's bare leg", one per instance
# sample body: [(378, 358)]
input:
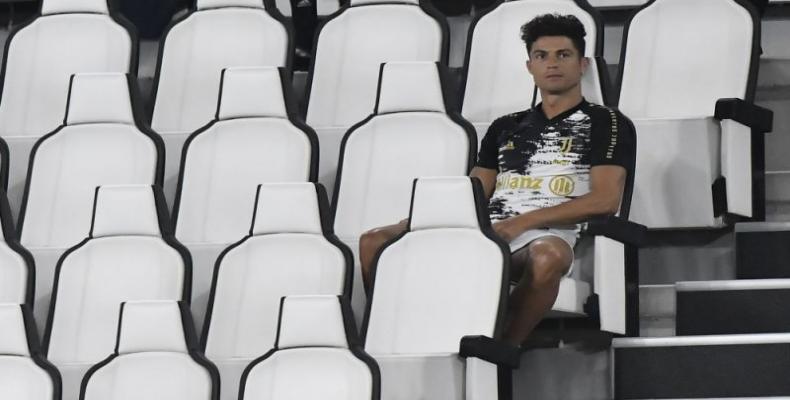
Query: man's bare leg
[(369, 244), (544, 262)]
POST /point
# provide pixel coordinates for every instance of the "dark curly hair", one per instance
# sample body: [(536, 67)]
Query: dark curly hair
[(554, 25)]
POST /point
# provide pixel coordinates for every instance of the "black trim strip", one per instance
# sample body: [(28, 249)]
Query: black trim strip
[(34, 348), (9, 233)]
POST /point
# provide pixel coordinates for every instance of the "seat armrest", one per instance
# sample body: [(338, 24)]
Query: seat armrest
[(745, 113), (491, 350), (619, 229)]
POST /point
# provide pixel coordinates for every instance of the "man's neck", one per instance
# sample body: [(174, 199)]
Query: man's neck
[(556, 104)]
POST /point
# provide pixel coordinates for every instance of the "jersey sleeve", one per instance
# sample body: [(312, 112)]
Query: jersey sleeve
[(612, 140), (488, 157)]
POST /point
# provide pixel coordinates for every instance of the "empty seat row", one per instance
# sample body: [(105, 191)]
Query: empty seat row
[(282, 257), (155, 338)]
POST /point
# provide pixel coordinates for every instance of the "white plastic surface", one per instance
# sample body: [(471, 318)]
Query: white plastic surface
[(94, 281), (677, 162), (68, 167), (125, 210), (113, 90), (275, 198)]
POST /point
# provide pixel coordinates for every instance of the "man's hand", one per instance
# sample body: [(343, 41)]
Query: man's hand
[(508, 229)]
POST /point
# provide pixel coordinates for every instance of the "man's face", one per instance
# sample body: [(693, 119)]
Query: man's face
[(555, 64)]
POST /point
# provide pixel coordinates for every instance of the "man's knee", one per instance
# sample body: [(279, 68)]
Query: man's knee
[(549, 261)]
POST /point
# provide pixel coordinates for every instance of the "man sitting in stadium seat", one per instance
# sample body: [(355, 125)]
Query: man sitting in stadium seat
[(545, 172)]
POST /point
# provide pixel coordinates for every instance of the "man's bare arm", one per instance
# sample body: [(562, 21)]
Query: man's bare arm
[(606, 191), (487, 178)]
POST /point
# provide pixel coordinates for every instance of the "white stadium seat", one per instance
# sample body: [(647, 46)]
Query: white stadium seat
[(68, 37), (129, 255), (289, 252), (100, 143), (309, 363), (412, 133), (444, 280), (693, 109), (256, 138), (24, 373), (17, 268), (216, 35), (495, 88), (156, 357), (351, 46)]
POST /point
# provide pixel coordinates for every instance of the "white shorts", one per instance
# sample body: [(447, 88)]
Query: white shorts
[(569, 236)]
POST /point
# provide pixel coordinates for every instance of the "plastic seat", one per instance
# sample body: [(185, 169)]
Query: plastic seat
[(67, 37), (156, 357), (130, 254), (413, 133), (350, 48), (307, 363), (701, 118), (256, 138), (285, 254), (217, 34)]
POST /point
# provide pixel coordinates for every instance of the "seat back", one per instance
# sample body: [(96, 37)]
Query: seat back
[(352, 45), (129, 255), (718, 57), (154, 338), (24, 373), (17, 268), (68, 37), (412, 133), (493, 89), (99, 143), (216, 35), (445, 278), (255, 138), (292, 253), (309, 363)]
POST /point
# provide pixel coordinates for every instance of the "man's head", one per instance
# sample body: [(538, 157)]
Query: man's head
[(555, 47)]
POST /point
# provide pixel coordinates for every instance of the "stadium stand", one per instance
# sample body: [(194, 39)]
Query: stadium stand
[(284, 254), (363, 35), (130, 254), (66, 37), (307, 364), (705, 125), (413, 127), (154, 337), (215, 35), (256, 138), (24, 373), (101, 142)]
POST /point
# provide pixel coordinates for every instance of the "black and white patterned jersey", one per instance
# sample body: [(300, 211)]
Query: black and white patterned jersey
[(543, 162)]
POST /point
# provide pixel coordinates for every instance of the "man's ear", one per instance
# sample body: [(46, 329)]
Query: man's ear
[(585, 64), (529, 66)]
